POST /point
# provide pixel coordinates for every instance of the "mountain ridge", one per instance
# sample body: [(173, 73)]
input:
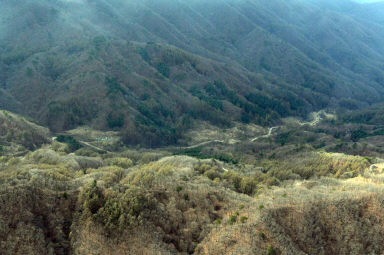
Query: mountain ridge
[(74, 51)]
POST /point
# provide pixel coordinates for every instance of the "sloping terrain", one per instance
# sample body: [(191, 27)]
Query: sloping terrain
[(372, 12), (19, 134), (152, 203), (314, 217), (280, 194), (151, 68), (273, 109)]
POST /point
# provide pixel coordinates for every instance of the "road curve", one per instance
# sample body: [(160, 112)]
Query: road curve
[(270, 131), (92, 146)]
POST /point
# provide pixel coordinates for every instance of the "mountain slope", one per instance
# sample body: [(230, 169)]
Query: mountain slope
[(150, 68), (373, 12), (17, 135)]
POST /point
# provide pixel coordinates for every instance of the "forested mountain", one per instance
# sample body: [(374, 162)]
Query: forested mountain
[(150, 68), (217, 127), (373, 12)]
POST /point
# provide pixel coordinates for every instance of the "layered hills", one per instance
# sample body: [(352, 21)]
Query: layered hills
[(191, 127), (151, 68)]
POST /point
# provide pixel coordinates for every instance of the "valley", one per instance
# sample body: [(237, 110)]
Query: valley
[(250, 196), (153, 75), (207, 127)]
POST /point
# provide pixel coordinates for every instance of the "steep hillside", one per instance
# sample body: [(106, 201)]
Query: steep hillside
[(191, 127), (291, 189), (19, 135), (151, 68), (373, 12), (153, 203), (153, 88), (313, 217)]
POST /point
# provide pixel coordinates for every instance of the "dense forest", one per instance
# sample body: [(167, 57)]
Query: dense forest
[(209, 127), (152, 68)]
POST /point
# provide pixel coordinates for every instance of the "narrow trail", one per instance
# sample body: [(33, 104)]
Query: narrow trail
[(83, 143), (270, 131), (92, 146), (202, 143), (316, 120)]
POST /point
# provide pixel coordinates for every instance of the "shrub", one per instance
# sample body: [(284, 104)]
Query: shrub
[(243, 219), (149, 157), (71, 141), (218, 221), (233, 178), (120, 162), (232, 219), (227, 158), (86, 152), (202, 167), (271, 250), (60, 147), (178, 189), (113, 175), (271, 181), (13, 161), (242, 184), (212, 174), (247, 185), (120, 211), (93, 198)]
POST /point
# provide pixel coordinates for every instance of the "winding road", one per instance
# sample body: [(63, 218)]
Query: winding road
[(270, 131), (316, 119), (86, 144), (202, 143), (92, 146)]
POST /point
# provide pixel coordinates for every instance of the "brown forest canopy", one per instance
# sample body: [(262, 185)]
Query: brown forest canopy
[(150, 68)]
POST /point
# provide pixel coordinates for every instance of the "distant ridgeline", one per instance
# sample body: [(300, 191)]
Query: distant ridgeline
[(150, 69)]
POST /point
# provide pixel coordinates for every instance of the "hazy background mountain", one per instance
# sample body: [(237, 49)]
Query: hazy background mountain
[(373, 11), (368, 1), (151, 68), (274, 110)]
